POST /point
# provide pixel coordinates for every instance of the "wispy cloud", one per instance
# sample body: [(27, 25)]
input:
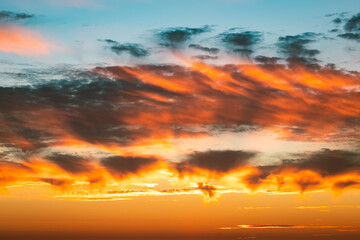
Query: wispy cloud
[(22, 41), (284, 226)]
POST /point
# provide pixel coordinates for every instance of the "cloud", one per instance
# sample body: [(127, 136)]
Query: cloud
[(214, 161), (207, 189), (337, 20), (353, 24), (70, 163), (121, 111), (347, 184), (209, 50), (176, 37), (11, 172), (17, 39), (267, 226), (63, 183), (112, 108), (271, 61), (205, 57), (133, 49), (276, 226), (13, 165), (241, 42), (350, 36), (10, 17), (295, 48), (257, 177), (123, 166), (123, 106), (351, 28), (328, 162), (21, 41), (242, 39), (310, 170)]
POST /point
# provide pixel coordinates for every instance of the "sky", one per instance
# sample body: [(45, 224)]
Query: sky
[(145, 119)]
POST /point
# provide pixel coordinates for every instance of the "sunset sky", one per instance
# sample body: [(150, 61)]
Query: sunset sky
[(166, 119)]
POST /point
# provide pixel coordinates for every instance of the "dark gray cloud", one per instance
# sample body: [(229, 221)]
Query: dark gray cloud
[(27, 137), (215, 161), (133, 49), (209, 50), (266, 60), (123, 166), (337, 20), (58, 95), (351, 28), (328, 162), (8, 16), (86, 107), (70, 163), (350, 36), (295, 48), (241, 42), (353, 24), (176, 37), (243, 52), (242, 39)]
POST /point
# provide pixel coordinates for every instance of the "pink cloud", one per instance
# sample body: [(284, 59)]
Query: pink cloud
[(22, 41)]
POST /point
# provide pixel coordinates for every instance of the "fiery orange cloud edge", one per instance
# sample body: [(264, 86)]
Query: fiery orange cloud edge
[(101, 184), (194, 96), (296, 104), (212, 92)]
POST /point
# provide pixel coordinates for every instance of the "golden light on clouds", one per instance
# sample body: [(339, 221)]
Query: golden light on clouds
[(191, 133)]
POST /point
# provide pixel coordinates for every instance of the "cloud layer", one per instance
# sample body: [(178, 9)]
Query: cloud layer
[(95, 127)]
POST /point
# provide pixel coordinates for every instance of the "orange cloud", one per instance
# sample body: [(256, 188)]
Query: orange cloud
[(122, 112), (286, 101), (119, 177), (286, 226), (22, 41)]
